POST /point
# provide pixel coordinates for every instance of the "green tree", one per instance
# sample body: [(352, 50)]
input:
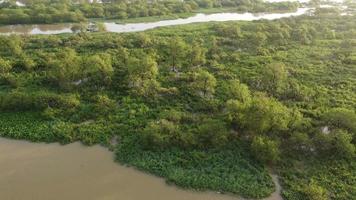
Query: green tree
[(315, 3), (273, 78), (98, 68), (342, 118), (337, 143), (12, 45), (212, 133), (197, 55), (65, 68), (144, 40), (238, 91), (104, 105), (298, 92), (300, 141), (203, 83), (254, 41), (302, 34), (172, 115), (265, 149), (160, 134), (5, 66), (342, 144), (205, 3), (314, 192), (214, 51), (265, 115), (26, 62), (235, 112), (142, 75), (143, 66), (177, 53)]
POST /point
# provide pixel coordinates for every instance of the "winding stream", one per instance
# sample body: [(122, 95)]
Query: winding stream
[(37, 171), (134, 27), (217, 17)]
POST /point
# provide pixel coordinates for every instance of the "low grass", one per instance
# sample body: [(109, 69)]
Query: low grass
[(33, 127), (27, 126)]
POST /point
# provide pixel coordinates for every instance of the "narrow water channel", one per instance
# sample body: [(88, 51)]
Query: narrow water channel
[(135, 27), (36, 171), (217, 17)]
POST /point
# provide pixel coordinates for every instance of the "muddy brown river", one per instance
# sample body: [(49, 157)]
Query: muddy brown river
[(36, 171)]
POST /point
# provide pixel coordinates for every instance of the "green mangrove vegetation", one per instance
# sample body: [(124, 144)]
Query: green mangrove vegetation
[(209, 106)]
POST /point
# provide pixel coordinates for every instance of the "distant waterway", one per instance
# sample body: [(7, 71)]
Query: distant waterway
[(135, 27)]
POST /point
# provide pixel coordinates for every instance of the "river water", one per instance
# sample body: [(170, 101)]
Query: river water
[(134, 27), (37, 171)]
